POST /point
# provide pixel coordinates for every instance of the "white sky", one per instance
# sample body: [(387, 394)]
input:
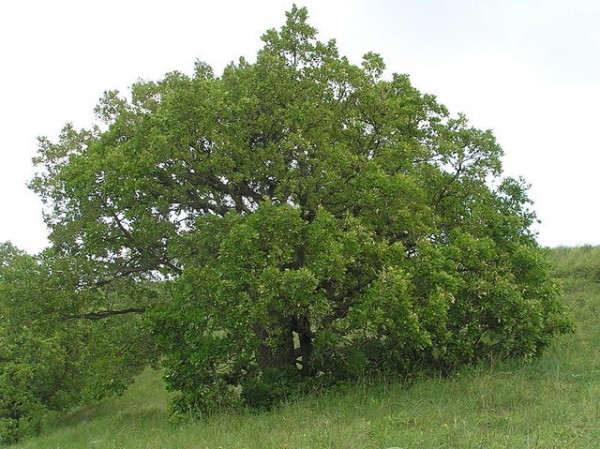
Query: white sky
[(528, 69)]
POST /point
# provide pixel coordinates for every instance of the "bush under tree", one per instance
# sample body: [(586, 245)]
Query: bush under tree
[(311, 220)]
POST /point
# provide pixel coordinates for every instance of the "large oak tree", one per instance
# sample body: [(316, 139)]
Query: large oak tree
[(311, 218)]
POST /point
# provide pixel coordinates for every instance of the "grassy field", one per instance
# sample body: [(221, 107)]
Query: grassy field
[(553, 402)]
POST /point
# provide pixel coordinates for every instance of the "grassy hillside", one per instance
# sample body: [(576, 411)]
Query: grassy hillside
[(553, 402)]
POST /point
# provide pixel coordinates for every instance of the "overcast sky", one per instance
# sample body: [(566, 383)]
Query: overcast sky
[(528, 69)]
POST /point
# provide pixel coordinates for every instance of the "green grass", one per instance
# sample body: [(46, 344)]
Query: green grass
[(553, 402)]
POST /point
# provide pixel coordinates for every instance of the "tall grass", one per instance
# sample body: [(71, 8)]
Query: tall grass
[(574, 264), (552, 402)]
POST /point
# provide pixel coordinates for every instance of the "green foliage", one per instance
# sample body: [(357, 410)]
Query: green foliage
[(50, 358), (305, 215), (271, 387)]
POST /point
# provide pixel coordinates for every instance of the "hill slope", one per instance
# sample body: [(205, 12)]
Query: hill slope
[(553, 402)]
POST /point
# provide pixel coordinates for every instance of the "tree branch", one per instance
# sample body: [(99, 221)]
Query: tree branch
[(104, 314)]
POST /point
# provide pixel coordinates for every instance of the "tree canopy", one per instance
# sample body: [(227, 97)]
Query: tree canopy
[(307, 218)]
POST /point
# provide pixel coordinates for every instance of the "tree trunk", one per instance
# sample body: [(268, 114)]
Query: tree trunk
[(279, 356), (305, 337)]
